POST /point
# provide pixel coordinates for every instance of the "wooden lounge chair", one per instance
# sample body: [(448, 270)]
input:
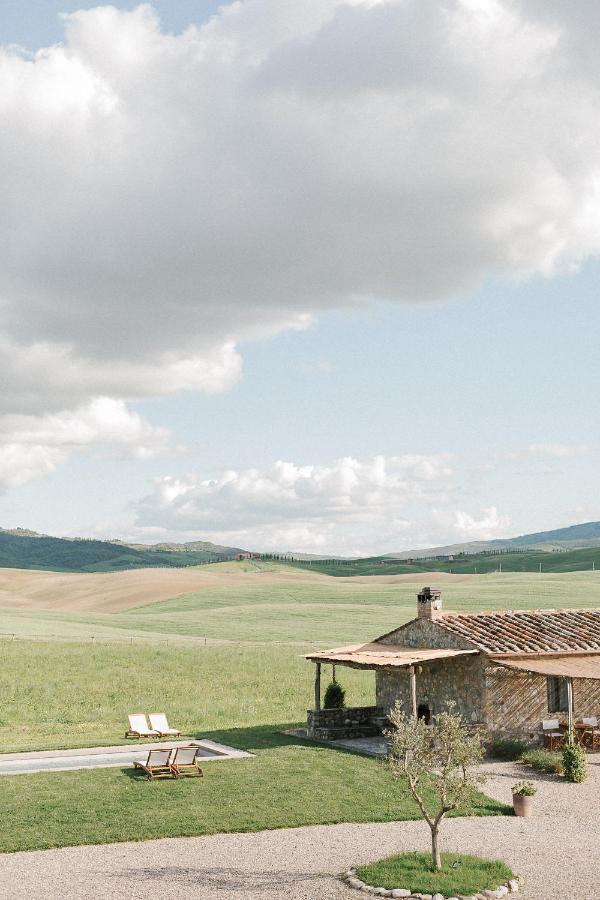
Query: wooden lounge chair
[(157, 765), (138, 727), (158, 721), (554, 739), (185, 761)]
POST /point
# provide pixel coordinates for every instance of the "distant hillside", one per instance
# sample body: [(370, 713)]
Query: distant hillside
[(190, 546), (507, 560), (22, 549), (573, 537)]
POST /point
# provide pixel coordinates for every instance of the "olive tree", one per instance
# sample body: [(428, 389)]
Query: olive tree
[(437, 763)]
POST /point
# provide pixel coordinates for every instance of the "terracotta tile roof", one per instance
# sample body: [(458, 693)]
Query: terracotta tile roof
[(531, 631)]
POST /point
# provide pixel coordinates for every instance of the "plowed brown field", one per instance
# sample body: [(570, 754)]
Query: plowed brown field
[(118, 591)]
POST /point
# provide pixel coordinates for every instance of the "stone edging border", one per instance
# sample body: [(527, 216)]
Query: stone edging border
[(351, 879)]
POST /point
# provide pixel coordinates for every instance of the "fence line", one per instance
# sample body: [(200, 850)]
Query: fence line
[(130, 640), (142, 640)]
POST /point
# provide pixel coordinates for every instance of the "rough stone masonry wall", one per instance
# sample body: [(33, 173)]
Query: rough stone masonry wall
[(461, 679), (518, 701), (348, 722), (425, 633)]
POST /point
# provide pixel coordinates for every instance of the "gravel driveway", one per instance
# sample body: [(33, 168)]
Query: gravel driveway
[(558, 852)]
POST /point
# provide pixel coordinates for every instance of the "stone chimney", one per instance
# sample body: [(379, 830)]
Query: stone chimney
[(429, 603)]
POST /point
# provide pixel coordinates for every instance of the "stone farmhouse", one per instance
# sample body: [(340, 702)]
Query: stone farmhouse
[(506, 671)]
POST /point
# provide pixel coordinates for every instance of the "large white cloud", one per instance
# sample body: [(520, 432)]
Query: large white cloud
[(33, 446), (354, 506), (165, 196)]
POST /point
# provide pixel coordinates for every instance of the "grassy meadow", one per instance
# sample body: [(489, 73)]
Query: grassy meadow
[(57, 695), (66, 689), (246, 684), (321, 611)]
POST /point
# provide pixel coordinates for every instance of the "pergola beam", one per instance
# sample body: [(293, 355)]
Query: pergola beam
[(413, 690), (570, 711), (317, 686)]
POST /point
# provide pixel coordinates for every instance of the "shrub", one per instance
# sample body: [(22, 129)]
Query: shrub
[(524, 788), (543, 761), (335, 696), (505, 748), (574, 763)]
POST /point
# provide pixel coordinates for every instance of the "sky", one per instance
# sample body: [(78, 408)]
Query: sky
[(314, 277)]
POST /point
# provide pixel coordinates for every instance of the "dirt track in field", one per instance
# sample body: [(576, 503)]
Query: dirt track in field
[(117, 591)]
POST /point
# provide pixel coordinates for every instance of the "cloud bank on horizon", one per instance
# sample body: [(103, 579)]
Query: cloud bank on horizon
[(359, 507), (168, 196)]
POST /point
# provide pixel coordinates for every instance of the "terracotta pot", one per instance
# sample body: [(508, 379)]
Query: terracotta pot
[(522, 805)]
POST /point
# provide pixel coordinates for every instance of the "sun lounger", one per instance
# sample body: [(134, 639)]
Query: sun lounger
[(157, 765), (185, 761), (138, 727), (158, 721)]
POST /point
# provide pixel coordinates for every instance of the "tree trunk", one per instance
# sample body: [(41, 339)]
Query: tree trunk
[(435, 849)]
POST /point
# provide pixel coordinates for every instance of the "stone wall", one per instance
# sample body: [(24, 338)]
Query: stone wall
[(424, 633), (516, 703), (339, 724), (461, 679)]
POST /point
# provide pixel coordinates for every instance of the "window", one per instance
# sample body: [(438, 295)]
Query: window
[(557, 695)]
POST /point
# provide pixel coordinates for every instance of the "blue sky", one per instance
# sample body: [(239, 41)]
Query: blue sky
[(426, 401), (38, 23)]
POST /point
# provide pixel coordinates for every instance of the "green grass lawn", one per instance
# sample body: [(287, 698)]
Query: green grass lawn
[(288, 783), (460, 875)]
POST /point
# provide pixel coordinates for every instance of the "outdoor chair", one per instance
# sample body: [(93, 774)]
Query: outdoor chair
[(138, 727), (157, 765), (554, 739), (591, 733), (158, 721), (185, 761)]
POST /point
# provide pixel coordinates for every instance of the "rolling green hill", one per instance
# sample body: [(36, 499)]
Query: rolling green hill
[(26, 550), (463, 563), (573, 537)]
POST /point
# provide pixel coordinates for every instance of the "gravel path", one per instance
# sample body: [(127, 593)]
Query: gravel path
[(557, 851)]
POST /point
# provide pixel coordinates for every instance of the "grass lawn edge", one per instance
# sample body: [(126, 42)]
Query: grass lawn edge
[(461, 875)]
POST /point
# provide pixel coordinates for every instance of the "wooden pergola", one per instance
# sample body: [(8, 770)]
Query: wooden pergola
[(569, 666), (378, 655)]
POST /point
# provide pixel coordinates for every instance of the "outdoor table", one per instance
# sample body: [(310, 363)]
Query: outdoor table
[(589, 732)]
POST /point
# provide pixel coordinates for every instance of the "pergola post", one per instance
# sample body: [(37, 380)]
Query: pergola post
[(570, 715), (413, 690), (317, 686)]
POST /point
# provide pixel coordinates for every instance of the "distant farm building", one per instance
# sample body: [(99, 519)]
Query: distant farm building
[(245, 554), (506, 671)]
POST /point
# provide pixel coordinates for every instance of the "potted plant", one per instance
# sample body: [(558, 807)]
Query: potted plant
[(522, 792)]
